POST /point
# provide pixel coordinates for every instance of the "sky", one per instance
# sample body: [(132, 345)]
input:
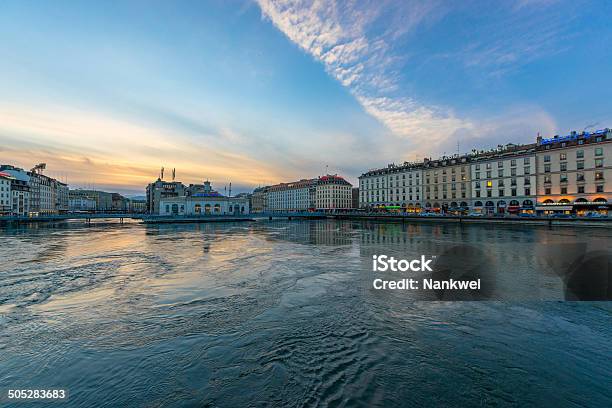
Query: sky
[(266, 91)]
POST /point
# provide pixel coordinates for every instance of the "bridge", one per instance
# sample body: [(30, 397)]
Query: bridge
[(154, 219), (69, 216)]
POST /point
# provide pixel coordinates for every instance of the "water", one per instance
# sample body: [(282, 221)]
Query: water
[(279, 314)]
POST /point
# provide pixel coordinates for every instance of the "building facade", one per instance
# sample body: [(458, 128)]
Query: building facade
[(333, 192), (103, 200), (201, 199), (395, 186), (161, 189), (574, 173), (5, 194), (446, 184), (296, 196), (570, 174), (504, 180), (259, 200)]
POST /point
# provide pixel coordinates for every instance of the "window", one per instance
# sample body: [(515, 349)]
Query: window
[(599, 188), (563, 166), (478, 167), (527, 191), (500, 164), (563, 177), (599, 151), (580, 189), (598, 162), (580, 165), (527, 181), (489, 183), (513, 192), (513, 162), (488, 165), (478, 193), (563, 156), (501, 193), (579, 154), (599, 175), (547, 158), (513, 172), (579, 176), (547, 168), (489, 193), (563, 190), (500, 173), (547, 180), (527, 170), (547, 190), (477, 176), (526, 160)]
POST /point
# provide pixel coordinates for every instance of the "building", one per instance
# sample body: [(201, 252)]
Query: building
[(504, 180), (159, 190), (446, 184), (62, 193), (394, 187), (103, 200), (5, 194), (574, 173), (137, 206), (46, 195), (16, 192), (569, 174), (203, 200), (81, 204), (325, 193), (333, 192), (259, 200), (296, 196), (355, 197), (119, 203)]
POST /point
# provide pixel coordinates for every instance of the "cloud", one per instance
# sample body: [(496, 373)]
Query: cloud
[(342, 38), (366, 47)]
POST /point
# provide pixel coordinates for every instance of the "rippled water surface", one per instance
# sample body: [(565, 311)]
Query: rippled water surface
[(277, 314)]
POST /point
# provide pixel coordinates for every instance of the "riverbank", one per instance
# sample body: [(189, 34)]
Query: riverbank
[(402, 218)]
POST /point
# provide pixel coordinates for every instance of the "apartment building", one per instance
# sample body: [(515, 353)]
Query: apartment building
[(446, 184), (333, 192), (504, 180), (395, 186), (296, 196), (574, 172), (5, 194), (259, 200)]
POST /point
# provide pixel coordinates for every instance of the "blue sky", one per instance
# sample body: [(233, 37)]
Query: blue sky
[(258, 92)]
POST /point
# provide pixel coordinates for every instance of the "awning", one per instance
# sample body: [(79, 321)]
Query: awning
[(554, 208)]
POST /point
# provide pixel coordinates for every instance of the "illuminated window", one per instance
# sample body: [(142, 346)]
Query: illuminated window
[(489, 183)]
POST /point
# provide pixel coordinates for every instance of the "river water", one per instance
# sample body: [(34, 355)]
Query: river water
[(282, 314)]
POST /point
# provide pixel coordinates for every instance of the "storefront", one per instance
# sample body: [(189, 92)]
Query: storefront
[(554, 208), (582, 207)]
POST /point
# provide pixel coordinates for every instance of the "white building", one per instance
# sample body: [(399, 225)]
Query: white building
[(296, 196), (333, 192), (504, 180), (203, 200), (5, 194), (396, 186), (82, 204)]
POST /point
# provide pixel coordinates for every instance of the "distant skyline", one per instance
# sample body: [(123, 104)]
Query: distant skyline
[(260, 92)]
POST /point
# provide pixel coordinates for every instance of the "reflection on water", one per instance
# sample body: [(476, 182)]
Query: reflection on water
[(279, 313)]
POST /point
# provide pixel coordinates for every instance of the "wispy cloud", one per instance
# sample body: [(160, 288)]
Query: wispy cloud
[(360, 56), (362, 53)]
